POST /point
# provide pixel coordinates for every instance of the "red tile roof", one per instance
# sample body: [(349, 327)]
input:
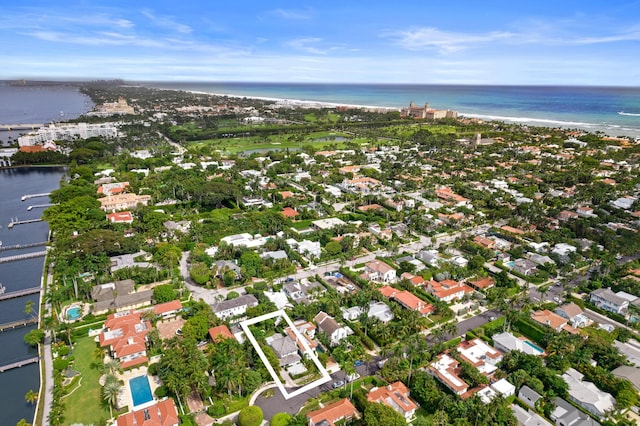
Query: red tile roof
[(289, 212), (163, 413), (395, 395), (342, 409), (220, 332), (163, 308)]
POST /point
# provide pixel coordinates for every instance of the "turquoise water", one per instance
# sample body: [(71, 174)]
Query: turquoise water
[(510, 264), (74, 313), (589, 108), (535, 347), (140, 390)]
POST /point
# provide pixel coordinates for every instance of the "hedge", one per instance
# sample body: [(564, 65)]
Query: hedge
[(366, 340), (530, 330)]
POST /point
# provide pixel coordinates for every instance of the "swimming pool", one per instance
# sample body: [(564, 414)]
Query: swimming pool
[(510, 264), (534, 347), (74, 312), (140, 390)]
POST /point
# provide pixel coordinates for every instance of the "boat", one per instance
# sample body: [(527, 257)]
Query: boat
[(2, 289), (628, 113)]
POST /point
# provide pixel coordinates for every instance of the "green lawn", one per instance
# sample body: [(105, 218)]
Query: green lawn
[(84, 405)]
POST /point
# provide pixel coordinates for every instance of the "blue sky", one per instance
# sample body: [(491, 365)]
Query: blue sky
[(424, 42)]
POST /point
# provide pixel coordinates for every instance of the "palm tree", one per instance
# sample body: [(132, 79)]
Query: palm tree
[(31, 396), (110, 392), (28, 308), (23, 422), (112, 367)]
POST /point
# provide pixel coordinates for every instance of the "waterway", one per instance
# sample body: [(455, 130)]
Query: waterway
[(14, 183)]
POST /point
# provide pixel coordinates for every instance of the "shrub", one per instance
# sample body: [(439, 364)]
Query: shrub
[(280, 419), (250, 416), (153, 369), (161, 391), (216, 410), (60, 364)]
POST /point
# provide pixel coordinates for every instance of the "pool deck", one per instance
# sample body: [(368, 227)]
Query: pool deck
[(125, 398), (167, 329)]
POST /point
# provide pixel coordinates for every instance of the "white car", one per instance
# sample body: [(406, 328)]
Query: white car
[(352, 377)]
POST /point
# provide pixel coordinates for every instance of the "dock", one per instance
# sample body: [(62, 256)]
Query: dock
[(28, 126), (19, 293), (22, 222), (23, 256), (26, 197), (39, 206), (17, 324), (19, 364), (22, 246)]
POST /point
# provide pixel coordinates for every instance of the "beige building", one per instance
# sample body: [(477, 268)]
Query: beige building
[(123, 202)]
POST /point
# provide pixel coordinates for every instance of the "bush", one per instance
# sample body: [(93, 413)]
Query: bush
[(280, 419), (164, 293), (64, 350), (161, 391), (60, 364), (250, 416), (153, 369), (216, 410)]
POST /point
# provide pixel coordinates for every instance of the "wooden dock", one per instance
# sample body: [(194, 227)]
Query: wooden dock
[(23, 256), (17, 324), (19, 364), (19, 293), (22, 246), (22, 222)]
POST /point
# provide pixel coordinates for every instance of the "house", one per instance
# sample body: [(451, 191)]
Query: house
[(585, 211), (524, 267), (566, 414), (407, 300), (307, 248), (429, 257), (330, 327), (412, 261), (245, 240), (379, 271), (484, 242), (162, 413), (119, 295), (220, 267), (274, 255), (606, 299), (351, 314), (396, 396), (377, 310), (285, 349), (113, 203), (630, 373), (504, 388), (416, 280), (331, 414), (448, 290), (327, 224), (120, 217), (130, 260), (220, 332), (528, 417), (289, 212), (587, 395), (234, 307), (540, 259), (552, 320), (308, 331), (125, 336), (303, 291), (574, 314), (481, 355), (482, 283), (168, 309), (507, 342), (446, 369), (567, 215), (182, 226), (528, 396)]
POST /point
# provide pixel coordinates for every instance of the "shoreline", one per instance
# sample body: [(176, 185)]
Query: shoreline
[(632, 134)]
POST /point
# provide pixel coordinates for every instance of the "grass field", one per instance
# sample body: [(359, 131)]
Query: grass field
[(84, 404)]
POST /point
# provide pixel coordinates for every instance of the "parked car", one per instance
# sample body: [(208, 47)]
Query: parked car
[(358, 363), (352, 377), (338, 384)]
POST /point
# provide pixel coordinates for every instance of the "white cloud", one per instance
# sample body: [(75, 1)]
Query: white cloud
[(167, 22), (291, 14), (444, 41)]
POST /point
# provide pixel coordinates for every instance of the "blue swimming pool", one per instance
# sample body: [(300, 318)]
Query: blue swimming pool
[(535, 347), (140, 390), (74, 312)]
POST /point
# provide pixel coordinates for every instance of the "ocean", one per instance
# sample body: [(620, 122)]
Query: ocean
[(589, 108)]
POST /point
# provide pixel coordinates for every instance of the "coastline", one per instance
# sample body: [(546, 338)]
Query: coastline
[(574, 120)]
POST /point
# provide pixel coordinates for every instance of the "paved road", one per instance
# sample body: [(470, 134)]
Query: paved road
[(553, 295), (477, 321), (277, 404)]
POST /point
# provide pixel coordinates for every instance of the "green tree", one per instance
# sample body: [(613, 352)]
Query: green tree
[(34, 337), (110, 391), (377, 414), (333, 248), (200, 273), (164, 293), (23, 422), (250, 416), (31, 396)]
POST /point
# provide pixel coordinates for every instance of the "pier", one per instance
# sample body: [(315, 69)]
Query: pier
[(26, 197), (19, 293), (22, 246), (19, 364), (17, 324), (10, 127), (39, 206), (23, 256), (22, 222)]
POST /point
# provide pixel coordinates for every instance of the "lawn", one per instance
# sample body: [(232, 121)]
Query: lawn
[(84, 404)]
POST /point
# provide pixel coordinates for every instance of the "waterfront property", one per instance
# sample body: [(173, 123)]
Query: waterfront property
[(125, 336), (163, 413)]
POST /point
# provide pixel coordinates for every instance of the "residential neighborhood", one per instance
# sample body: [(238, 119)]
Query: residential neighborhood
[(435, 280)]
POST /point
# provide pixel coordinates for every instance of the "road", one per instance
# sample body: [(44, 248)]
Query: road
[(277, 404)]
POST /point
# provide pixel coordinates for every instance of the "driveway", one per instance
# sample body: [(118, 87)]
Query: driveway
[(477, 321), (277, 404)]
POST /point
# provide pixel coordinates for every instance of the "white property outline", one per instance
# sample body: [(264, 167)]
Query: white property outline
[(282, 314)]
